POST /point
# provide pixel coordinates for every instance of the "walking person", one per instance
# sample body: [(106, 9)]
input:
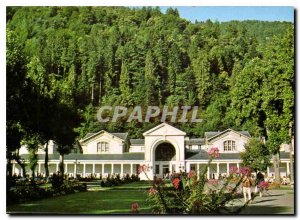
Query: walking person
[(259, 178), (246, 184)]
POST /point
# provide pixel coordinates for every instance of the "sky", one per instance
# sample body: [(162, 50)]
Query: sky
[(227, 13)]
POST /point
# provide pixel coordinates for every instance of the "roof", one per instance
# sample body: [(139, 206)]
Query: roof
[(195, 141), (137, 141), (99, 157), (122, 136), (88, 135), (210, 134), (203, 155), (179, 132)]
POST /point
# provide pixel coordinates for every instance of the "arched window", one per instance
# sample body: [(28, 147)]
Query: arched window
[(229, 145), (102, 147)]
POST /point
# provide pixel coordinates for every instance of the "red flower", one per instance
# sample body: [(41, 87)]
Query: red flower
[(134, 207), (213, 182), (246, 171), (263, 185), (191, 174), (176, 182), (214, 152), (152, 191), (233, 170)]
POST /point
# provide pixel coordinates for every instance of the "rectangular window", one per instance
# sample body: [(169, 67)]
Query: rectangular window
[(102, 147), (106, 147), (98, 147), (190, 147), (157, 169)]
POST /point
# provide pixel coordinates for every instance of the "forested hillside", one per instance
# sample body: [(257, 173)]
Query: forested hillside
[(240, 73)]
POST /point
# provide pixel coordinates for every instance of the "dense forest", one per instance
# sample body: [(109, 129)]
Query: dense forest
[(63, 63)]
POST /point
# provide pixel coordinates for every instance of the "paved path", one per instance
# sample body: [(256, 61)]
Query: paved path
[(273, 202)]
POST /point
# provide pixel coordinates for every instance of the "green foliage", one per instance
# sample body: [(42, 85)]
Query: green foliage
[(76, 59), (256, 155)]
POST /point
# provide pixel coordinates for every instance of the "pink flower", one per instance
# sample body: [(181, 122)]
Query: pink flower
[(142, 168), (213, 182), (134, 207), (152, 191), (191, 174), (263, 185), (214, 152), (246, 171), (233, 170), (176, 182)]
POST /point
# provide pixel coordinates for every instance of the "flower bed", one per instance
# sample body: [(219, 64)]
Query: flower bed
[(117, 181), (20, 194)]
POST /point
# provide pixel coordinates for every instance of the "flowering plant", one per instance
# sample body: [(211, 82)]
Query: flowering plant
[(263, 185), (246, 171), (214, 152), (233, 170), (193, 193), (134, 207)]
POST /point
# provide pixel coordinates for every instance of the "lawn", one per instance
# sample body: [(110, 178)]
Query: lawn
[(116, 200)]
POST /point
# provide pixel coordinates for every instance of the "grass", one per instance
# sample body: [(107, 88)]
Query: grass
[(108, 201)]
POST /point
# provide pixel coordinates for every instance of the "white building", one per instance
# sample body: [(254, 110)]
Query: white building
[(164, 149)]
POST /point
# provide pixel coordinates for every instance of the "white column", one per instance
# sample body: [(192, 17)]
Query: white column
[(238, 165), (227, 168), (268, 171), (93, 168), (66, 168), (57, 167), (131, 169), (198, 170), (39, 167), (218, 170), (188, 167), (122, 169), (75, 170), (112, 168), (208, 172), (102, 169), (13, 168), (84, 170), (287, 168)]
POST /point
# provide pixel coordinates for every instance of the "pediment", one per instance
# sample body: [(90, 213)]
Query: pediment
[(100, 135), (226, 133), (163, 130)]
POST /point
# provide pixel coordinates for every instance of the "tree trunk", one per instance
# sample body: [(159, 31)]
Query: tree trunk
[(46, 160), (92, 93), (291, 153), (291, 163), (22, 165), (9, 171), (276, 162)]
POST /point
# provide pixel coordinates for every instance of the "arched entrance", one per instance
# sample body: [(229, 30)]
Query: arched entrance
[(165, 156)]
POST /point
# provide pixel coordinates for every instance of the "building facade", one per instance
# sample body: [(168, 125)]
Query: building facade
[(164, 150)]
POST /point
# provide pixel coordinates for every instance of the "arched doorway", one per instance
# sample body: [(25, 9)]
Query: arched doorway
[(165, 153)]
